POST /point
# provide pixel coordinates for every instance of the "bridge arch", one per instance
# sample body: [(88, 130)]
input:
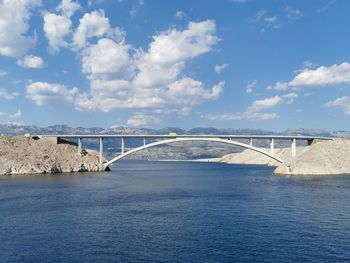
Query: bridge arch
[(170, 141)]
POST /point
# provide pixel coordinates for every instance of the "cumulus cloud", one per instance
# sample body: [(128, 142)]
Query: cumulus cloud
[(7, 95), (44, 93), (291, 97), (264, 104), (308, 77), (250, 86), (68, 7), (180, 15), (122, 77), (219, 68), (256, 111), (14, 40), (95, 24), (342, 103), (322, 76), (279, 86), (30, 61), (56, 28)]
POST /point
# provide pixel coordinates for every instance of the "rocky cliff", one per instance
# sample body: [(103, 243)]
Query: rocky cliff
[(28, 155)]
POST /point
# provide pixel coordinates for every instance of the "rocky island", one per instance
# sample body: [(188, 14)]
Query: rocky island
[(35, 155)]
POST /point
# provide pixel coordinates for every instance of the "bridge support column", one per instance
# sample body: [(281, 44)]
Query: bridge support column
[(144, 141), (101, 151), (79, 145), (294, 147), (123, 146), (251, 141), (272, 146)]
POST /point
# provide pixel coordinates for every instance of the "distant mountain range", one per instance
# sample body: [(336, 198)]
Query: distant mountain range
[(14, 129)]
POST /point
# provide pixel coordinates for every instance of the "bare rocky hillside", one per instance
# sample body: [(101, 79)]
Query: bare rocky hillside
[(26, 155)]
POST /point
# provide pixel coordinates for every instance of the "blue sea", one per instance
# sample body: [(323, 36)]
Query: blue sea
[(175, 212)]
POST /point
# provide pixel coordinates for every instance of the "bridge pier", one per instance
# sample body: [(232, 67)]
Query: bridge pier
[(251, 141), (101, 152), (123, 146), (294, 147), (272, 146), (144, 141), (79, 145)]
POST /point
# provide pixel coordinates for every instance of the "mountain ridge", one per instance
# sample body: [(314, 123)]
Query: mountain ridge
[(16, 129)]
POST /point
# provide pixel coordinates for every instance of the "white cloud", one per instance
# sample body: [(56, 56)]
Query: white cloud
[(309, 77), (265, 22), (14, 17), (326, 6), (280, 86), (68, 7), (322, 76), (8, 95), (342, 103), (180, 15), (142, 120), (136, 7), (256, 111), (291, 97), (15, 115), (3, 73), (267, 103), (56, 28), (44, 93), (95, 24), (271, 19), (250, 86), (12, 116), (293, 13), (151, 81), (219, 68), (241, 116), (30, 61)]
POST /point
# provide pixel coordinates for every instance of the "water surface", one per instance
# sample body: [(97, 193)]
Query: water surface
[(175, 212)]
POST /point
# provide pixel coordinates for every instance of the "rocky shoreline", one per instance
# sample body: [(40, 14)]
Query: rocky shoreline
[(320, 158), (20, 155)]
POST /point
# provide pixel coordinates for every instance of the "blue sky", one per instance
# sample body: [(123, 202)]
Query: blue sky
[(151, 63)]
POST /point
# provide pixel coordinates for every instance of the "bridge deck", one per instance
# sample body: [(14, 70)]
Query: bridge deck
[(278, 137)]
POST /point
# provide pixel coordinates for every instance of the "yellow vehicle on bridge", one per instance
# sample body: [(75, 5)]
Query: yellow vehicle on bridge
[(173, 134)]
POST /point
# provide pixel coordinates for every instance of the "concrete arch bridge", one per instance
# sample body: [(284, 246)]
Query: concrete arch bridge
[(174, 138)]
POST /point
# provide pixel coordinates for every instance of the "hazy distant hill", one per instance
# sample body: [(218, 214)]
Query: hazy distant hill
[(14, 129)]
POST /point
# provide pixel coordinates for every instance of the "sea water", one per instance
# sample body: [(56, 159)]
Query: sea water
[(175, 212)]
